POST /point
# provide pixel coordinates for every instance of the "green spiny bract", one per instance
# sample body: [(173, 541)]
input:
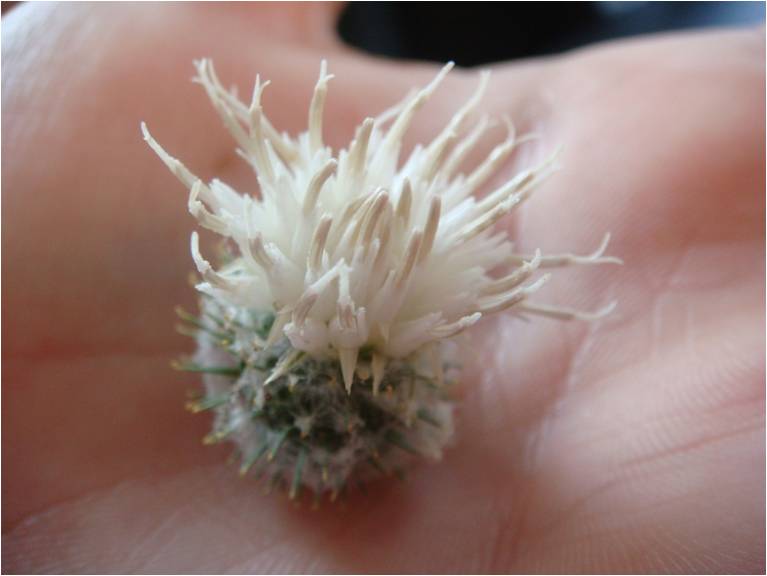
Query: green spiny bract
[(302, 428)]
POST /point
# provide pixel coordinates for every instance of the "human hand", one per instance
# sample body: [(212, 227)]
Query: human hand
[(635, 444)]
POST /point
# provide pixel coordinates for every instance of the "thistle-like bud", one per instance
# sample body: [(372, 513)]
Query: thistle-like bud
[(324, 338)]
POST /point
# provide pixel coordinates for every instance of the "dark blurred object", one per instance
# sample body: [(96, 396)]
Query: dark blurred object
[(472, 33), (5, 6)]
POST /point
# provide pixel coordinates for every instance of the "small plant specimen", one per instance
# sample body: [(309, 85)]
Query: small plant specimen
[(324, 333)]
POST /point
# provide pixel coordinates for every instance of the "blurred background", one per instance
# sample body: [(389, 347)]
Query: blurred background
[(473, 33)]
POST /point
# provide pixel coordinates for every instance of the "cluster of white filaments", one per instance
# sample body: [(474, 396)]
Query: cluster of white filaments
[(358, 250)]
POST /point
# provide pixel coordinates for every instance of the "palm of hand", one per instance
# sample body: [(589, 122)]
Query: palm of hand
[(634, 444)]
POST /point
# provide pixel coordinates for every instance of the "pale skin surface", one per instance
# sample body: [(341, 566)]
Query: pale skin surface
[(632, 444)]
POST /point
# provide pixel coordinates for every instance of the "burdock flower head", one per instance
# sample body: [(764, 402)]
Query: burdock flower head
[(321, 333)]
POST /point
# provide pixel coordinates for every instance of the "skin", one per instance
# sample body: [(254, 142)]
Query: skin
[(634, 444)]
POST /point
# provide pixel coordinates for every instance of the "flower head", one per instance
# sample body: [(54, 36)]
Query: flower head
[(359, 250), (350, 270)]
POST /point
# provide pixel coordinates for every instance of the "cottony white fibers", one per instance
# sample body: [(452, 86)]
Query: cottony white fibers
[(356, 261)]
